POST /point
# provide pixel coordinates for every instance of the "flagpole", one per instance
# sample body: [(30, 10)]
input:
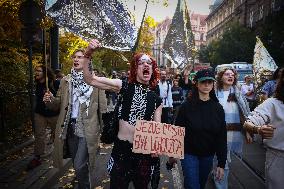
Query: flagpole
[(139, 32)]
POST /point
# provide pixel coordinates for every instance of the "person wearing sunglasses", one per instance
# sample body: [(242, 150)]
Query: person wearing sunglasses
[(236, 111), (138, 101)]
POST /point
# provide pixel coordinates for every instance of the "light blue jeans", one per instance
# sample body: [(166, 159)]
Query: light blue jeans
[(221, 184), (196, 170), (80, 157)]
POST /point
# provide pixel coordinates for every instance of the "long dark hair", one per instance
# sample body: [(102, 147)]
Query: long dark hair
[(279, 92), (50, 75)]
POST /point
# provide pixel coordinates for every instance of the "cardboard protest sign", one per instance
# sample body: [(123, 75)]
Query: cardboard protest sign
[(151, 137)]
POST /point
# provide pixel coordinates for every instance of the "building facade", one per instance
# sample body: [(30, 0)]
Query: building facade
[(249, 13), (199, 29)]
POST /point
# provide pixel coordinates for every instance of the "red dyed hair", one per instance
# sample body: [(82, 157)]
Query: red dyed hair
[(133, 71)]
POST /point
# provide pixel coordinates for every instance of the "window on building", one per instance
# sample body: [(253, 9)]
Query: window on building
[(260, 12)]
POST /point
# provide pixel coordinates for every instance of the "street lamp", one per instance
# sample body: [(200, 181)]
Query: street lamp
[(30, 16)]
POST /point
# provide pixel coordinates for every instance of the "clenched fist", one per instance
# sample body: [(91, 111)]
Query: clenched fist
[(47, 97)]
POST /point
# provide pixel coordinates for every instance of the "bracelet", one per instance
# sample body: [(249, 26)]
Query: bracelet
[(87, 55)]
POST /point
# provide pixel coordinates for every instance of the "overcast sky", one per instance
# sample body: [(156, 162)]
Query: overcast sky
[(160, 12)]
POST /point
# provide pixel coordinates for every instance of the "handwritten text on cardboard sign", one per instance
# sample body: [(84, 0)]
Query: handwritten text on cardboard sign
[(151, 137)]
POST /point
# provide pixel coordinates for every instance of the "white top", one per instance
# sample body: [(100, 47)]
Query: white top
[(75, 106), (166, 93), (246, 88), (223, 100), (271, 111), (231, 109)]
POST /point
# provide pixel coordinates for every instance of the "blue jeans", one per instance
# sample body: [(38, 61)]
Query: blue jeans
[(80, 157), (221, 184), (196, 170)]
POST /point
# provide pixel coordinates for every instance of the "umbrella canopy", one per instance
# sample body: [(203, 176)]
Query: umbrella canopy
[(106, 20)]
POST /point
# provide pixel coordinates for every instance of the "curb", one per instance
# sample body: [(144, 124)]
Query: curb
[(52, 176)]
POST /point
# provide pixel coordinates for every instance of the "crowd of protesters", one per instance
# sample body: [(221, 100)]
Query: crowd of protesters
[(78, 105)]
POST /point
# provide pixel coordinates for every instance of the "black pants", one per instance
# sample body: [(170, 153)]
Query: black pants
[(125, 166)]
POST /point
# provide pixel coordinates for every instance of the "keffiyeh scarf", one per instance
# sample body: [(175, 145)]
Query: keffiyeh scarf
[(81, 89)]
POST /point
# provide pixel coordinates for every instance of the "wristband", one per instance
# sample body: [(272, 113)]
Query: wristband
[(88, 55)]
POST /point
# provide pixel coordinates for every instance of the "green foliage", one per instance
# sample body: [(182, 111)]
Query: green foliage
[(164, 2), (68, 43), (236, 45), (14, 73), (103, 59), (108, 60), (147, 36), (203, 54), (13, 57)]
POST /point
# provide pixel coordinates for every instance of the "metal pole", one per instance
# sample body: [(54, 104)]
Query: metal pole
[(31, 92), (44, 47), (140, 29), (159, 49)]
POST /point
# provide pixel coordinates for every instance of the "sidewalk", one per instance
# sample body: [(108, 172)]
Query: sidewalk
[(102, 179), (14, 175), (248, 172)]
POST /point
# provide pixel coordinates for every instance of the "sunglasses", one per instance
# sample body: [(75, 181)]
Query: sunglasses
[(141, 62), (229, 74)]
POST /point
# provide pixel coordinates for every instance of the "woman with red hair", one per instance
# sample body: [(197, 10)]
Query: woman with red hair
[(138, 102)]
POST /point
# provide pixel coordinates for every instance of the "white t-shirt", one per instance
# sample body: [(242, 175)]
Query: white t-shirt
[(271, 111), (246, 88)]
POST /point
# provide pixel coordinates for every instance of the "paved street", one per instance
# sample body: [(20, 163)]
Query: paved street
[(245, 174)]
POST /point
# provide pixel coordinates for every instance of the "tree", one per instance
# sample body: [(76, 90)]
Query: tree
[(272, 36), (13, 55), (147, 36), (203, 54), (236, 45), (68, 43)]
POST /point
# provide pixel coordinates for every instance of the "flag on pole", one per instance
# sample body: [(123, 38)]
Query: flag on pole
[(106, 20), (179, 40), (262, 59)]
